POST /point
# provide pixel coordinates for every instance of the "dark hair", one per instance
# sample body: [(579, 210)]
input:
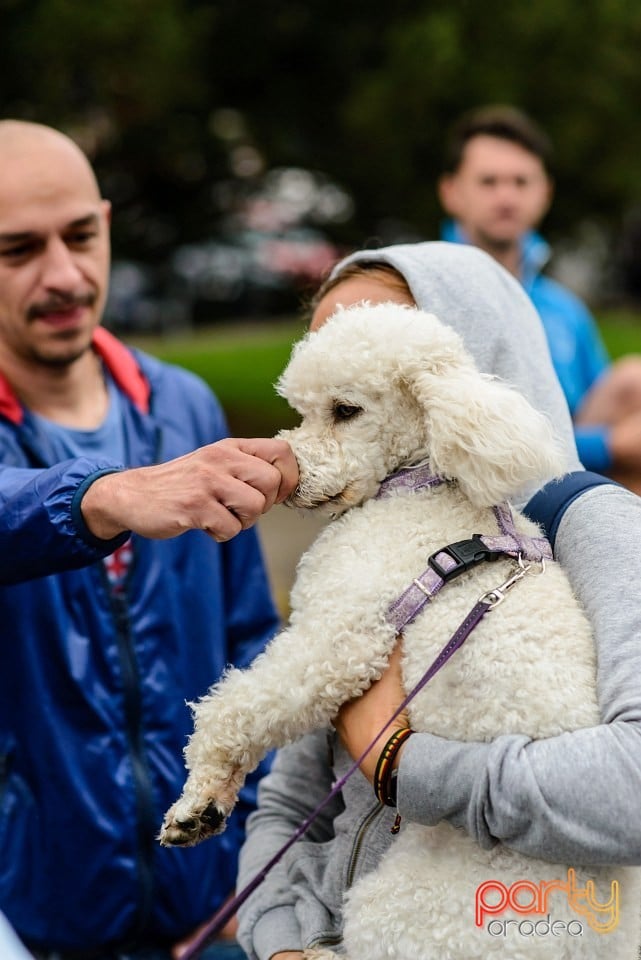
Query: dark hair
[(497, 120), (356, 269)]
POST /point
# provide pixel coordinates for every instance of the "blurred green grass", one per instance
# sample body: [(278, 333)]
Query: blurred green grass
[(241, 361), (621, 330)]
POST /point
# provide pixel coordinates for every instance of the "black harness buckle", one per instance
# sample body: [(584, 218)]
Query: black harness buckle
[(466, 554)]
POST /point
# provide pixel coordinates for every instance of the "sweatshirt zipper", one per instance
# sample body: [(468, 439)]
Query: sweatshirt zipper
[(325, 942), (357, 846)]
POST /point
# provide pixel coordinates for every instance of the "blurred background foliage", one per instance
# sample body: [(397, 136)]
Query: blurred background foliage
[(245, 144), (242, 363), (185, 105)]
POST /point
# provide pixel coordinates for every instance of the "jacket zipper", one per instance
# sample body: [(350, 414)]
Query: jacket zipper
[(147, 827), (4, 775), (140, 769)]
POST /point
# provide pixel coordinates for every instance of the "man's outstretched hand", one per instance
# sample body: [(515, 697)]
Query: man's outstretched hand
[(222, 488)]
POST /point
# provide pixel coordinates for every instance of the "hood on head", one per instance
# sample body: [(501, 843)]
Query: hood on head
[(481, 301)]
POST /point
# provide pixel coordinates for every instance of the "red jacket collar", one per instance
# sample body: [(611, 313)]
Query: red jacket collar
[(120, 363), (123, 367)]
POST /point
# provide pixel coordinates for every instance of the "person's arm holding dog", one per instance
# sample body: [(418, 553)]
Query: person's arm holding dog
[(495, 790), (532, 794)]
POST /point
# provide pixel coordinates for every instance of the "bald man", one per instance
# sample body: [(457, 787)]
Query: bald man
[(54, 263), (111, 621)]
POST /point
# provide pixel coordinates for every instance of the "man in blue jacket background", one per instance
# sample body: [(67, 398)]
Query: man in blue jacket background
[(497, 187), (111, 622)]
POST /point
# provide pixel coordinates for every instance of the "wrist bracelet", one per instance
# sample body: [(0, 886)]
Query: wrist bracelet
[(384, 766)]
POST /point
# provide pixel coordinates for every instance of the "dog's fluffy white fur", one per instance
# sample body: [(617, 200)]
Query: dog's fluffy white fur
[(380, 388)]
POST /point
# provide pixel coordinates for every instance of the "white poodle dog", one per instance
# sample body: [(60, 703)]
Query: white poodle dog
[(382, 389)]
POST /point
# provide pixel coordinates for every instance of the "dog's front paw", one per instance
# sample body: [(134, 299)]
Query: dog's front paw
[(189, 822)]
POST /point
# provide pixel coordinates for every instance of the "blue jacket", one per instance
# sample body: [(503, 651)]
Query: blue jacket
[(94, 683), (578, 353)]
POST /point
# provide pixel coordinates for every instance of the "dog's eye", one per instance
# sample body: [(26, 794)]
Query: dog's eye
[(345, 411)]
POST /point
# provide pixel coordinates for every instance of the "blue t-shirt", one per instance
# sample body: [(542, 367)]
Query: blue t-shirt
[(106, 441)]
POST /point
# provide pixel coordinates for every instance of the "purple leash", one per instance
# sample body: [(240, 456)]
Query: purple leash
[(443, 566), (228, 909)]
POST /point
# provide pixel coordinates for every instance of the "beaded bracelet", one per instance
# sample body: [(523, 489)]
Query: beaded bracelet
[(383, 772)]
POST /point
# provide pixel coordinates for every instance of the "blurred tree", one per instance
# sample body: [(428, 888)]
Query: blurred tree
[(171, 97), (573, 66), (126, 79)]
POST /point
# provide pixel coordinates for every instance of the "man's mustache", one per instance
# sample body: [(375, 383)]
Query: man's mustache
[(55, 304)]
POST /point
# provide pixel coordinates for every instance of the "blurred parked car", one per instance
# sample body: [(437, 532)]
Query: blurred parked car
[(141, 300), (253, 272), (268, 249)]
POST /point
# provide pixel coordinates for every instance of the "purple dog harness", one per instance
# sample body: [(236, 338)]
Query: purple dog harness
[(443, 565), (450, 561)]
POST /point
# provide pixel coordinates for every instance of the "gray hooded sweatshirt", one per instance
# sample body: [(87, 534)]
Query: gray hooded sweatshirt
[(575, 797)]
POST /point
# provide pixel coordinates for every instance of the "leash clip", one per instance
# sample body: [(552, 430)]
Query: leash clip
[(493, 597)]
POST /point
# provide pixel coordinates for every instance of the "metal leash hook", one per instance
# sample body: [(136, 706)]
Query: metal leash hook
[(493, 597)]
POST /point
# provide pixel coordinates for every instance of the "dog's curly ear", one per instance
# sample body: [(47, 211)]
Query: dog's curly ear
[(484, 434)]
